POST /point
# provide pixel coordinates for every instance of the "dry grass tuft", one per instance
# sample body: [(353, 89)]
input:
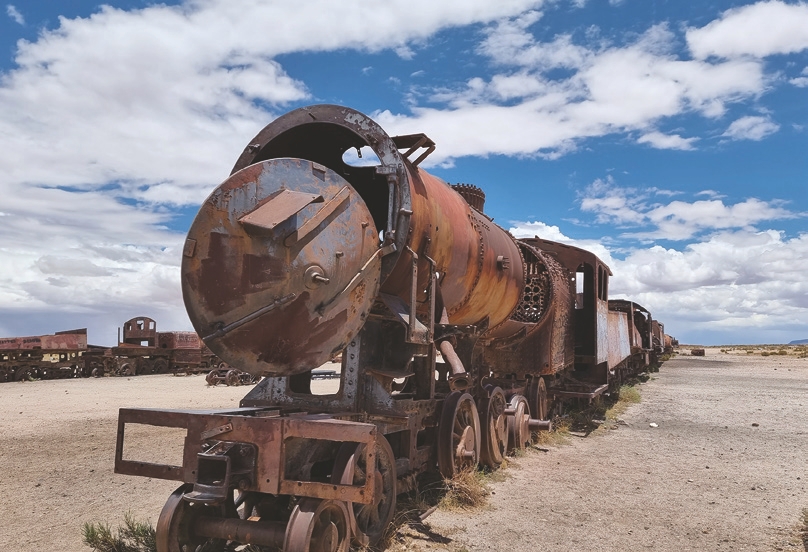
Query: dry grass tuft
[(467, 489), (628, 396), (135, 536), (804, 528)]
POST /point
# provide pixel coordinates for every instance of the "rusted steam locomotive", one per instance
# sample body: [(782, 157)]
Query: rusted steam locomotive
[(142, 350), (457, 339)]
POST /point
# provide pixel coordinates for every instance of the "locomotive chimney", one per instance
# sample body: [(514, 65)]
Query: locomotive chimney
[(473, 195)]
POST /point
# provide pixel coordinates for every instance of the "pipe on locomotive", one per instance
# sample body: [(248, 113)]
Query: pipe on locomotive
[(286, 258)]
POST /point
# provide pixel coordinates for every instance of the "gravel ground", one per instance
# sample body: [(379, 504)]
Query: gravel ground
[(704, 479), (726, 469)]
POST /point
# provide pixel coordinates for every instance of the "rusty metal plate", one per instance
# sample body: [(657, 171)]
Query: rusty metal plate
[(284, 299)]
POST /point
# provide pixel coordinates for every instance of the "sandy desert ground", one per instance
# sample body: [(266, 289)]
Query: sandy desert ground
[(705, 479)]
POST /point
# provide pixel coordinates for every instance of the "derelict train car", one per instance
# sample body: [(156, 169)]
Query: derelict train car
[(142, 349), (298, 256), (42, 356)]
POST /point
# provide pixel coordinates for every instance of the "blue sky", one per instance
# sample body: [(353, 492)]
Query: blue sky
[(668, 137)]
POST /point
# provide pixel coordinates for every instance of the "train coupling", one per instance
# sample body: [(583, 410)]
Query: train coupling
[(221, 467)]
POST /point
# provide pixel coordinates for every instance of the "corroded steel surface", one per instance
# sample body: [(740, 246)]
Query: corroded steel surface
[(479, 264), (282, 300), (74, 340), (619, 347)]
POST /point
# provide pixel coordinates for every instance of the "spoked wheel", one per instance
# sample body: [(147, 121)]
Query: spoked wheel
[(212, 378), (493, 427), (537, 399), (318, 526), (518, 423), (459, 439), (175, 525), (232, 378), (369, 521)]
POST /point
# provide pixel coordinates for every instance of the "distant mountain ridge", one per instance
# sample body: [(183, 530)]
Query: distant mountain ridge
[(799, 342)]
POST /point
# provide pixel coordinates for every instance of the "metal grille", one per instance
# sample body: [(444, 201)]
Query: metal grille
[(536, 297)]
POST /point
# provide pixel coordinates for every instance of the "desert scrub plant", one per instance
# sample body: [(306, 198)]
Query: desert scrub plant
[(467, 489), (134, 536), (628, 396)]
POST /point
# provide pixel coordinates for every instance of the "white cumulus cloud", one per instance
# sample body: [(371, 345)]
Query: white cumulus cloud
[(761, 29), (751, 128)]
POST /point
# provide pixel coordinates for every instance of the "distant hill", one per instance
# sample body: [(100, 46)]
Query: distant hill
[(799, 342)]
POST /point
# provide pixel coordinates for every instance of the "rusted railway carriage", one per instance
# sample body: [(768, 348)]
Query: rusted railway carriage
[(42, 356), (457, 339)]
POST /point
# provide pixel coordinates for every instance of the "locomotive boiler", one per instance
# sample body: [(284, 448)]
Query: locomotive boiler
[(456, 339)]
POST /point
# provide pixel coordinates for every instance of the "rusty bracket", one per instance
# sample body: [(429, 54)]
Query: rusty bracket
[(279, 208), (216, 431), (310, 225)]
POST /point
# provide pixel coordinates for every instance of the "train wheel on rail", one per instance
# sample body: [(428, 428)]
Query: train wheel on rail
[(175, 531), (518, 423), (318, 526), (368, 521), (459, 439), (537, 399), (494, 430)]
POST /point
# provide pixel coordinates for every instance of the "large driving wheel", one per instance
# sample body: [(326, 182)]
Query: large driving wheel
[(369, 521), (518, 423), (459, 439), (493, 427), (318, 526), (537, 399)]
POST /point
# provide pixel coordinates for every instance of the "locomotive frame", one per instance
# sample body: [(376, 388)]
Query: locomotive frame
[(457, 339)]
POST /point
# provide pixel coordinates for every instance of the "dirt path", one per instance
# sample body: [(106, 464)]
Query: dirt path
[(635, 488), (704, 479)]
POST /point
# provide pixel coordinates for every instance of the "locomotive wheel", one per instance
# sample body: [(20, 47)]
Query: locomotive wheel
[(232, 378), (459, 440), (318, 526), (368, 521), (537, 399), (175, 525), (126, 369), (493, 428), (25, 373), (144, 366), (160, 366), (518, 428), (211, 378)]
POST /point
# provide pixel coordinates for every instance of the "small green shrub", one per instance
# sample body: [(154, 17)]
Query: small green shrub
[(135, 536)]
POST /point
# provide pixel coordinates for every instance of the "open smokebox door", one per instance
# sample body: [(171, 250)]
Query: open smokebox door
[(281, 267)]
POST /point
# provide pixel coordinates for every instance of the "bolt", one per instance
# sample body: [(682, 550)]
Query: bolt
[(317, 277)]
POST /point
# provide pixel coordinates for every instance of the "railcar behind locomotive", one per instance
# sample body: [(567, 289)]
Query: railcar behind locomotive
[(457, 339)]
